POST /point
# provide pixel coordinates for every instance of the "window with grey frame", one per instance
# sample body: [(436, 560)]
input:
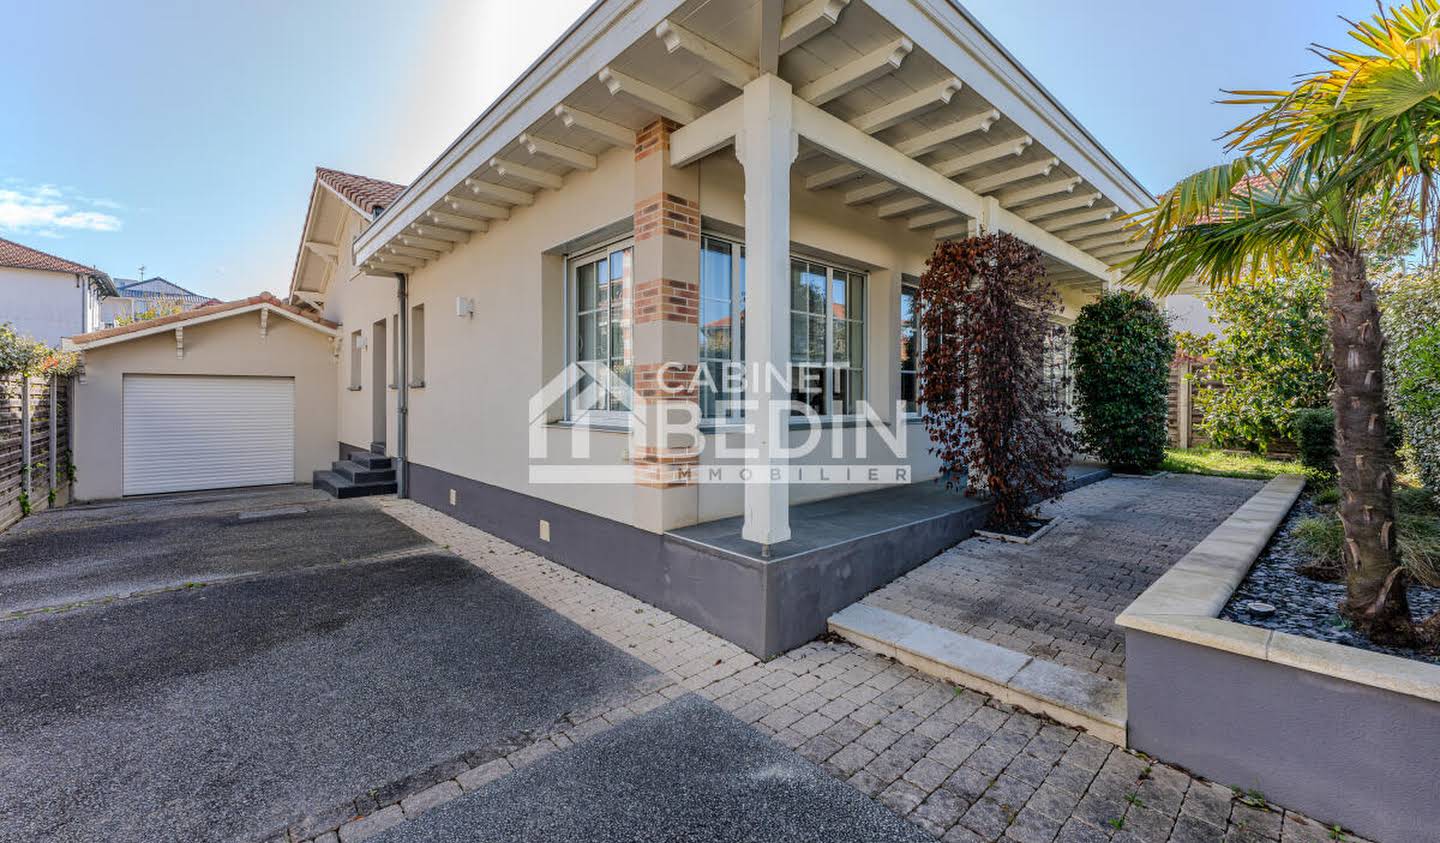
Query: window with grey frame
[(722, 328), (912, 343), (827, 337), (600, 299)]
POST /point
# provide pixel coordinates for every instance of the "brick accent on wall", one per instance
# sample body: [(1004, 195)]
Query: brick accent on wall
[(661, 380), (654, 138), (667, 300), (666, 213), (664, 467)]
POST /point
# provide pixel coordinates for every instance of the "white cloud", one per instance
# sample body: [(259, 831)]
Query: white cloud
[(48, 211)]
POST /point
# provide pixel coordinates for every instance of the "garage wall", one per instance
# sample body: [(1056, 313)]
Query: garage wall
[(231, 346)]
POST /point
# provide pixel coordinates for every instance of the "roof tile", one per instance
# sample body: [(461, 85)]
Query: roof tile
[(366, 193)]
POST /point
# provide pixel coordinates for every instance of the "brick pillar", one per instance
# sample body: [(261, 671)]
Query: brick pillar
[(666, 344)]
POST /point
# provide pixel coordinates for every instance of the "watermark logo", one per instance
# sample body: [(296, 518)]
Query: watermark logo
[(595, 424)]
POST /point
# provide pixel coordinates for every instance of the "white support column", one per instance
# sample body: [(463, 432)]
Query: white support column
[(767, 145)]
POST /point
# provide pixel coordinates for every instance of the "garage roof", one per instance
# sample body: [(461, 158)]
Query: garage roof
[(264, 301)]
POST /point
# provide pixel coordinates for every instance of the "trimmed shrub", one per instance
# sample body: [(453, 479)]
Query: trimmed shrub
[(1410, 317), (1315, 439), (1123, 348)]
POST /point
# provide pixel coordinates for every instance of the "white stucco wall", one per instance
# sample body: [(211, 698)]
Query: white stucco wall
[(471, 417), (47, 305)]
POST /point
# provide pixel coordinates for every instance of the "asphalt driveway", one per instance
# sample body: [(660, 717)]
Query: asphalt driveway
[(227, 711), (247, 666)]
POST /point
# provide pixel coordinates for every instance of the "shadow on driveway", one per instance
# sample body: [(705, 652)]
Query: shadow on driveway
[(231, 710)]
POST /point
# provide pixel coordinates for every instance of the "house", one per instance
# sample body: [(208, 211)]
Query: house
[(539, 331), (152, 295), (48, 297)]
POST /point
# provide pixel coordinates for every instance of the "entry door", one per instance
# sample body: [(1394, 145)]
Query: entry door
[(187, 432), (378, 394)]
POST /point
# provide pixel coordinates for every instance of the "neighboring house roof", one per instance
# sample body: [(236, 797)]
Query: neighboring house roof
[(157, 286), (365, 193), (24, 257), (135, 330)]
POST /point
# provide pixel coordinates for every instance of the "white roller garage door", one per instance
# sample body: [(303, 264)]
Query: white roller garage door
[(193, 432)]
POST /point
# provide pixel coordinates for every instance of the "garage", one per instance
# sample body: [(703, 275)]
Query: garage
[(234, 394), (186, 432)]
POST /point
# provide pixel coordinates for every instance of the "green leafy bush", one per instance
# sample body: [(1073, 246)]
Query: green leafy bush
[(21, 355), (1410, 316), (1417, 535), (1123, 348), (1270, 361), (1315, 438)]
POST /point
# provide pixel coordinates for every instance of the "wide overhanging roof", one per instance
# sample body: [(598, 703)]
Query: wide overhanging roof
[(910, 107)]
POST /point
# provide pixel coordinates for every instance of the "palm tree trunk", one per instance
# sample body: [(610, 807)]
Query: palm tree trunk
[(1375, 584)]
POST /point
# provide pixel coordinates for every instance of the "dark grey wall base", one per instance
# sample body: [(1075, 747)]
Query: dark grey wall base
[(766, 607), (1342, 752)]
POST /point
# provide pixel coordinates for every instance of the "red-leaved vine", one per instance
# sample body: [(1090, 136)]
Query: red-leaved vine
[(985, 314)]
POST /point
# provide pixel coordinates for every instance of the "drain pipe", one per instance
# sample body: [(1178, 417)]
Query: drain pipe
[(402, 402)]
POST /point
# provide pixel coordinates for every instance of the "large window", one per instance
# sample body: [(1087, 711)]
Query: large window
[(910, 347), (722, 327), (827, 328), (1059, 383), (827, 337), (601, 296)]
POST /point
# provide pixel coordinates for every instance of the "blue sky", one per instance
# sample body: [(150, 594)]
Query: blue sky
[(184, 136)]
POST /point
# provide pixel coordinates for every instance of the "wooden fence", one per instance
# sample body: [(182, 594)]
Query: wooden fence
[(1188, 375), (34, 445)]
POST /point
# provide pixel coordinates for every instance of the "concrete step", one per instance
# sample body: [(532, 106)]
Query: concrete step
[(371, 462), (1072, 697), (333, 484), (357, 473)]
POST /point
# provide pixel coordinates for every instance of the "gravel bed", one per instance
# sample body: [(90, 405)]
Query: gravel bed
[(1307, 607)]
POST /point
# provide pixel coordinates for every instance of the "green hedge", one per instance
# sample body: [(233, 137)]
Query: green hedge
[(1315, 439), (1123, 349)]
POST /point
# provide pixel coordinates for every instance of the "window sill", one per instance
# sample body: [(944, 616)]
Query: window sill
[(602, 427), (352, 389), (417, 384)]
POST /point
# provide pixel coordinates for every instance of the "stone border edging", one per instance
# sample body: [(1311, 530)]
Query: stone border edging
[(1069, 696), (1185, 602)]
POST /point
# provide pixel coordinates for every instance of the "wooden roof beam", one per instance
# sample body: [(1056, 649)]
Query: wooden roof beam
[(542, 148), (869, 193), (1039, 191), (1075, 218), (867, 68), (1014, 174), (723, 64), (464, 223), (926, 99), (970, 160), (661, 102), (808, 21), (1035, 212), (610, 132), (499, 192), (926, 141), (479, 210), (435, 232), (529, 175)]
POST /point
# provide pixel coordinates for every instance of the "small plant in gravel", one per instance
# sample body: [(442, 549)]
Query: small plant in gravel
[(24, 504), (1134, 799), (1417, 527), (1116, 823)]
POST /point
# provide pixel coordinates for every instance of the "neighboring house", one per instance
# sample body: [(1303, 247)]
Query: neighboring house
[(674, 188), (139, 296), (48, 297)]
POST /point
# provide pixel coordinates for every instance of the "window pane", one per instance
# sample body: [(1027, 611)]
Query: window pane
[(857, 343), (817, 339), (837, 295), (585, 284), (807, 387), (907, 349), (907, 391), (617, 265), (715, 343), (840, 352), (585, 338), (815, 285), (799, 296), (715, 267), (799, 337)]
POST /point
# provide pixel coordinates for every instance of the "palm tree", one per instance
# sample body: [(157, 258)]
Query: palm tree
[(1320, 161)]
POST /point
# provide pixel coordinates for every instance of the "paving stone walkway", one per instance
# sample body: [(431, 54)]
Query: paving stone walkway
[(1057, 599), (958, 764)]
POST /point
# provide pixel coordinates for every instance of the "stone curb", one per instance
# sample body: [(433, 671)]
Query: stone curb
[(1185, 602), (1069, 696)]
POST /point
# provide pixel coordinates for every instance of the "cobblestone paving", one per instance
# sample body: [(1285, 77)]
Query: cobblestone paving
[(958, 764), (1056, 599)]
